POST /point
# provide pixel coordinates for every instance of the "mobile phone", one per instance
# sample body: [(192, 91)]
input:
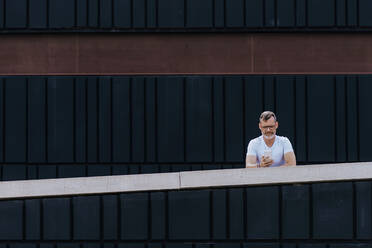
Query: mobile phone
[(267, 154)]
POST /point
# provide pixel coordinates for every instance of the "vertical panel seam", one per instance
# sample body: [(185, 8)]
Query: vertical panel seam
[(346, 118), (4, 122), (98, 155), (224, 117), (306, 120), (156, 110), (130, 119), (335, 130), (111, 124), (213, 121), (354, 210), (27, 154), (145, 159), (74, 85), (358, 115), (27, 14), (184, 82)]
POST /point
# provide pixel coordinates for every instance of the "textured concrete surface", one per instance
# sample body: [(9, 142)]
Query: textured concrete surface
[(186, 180)]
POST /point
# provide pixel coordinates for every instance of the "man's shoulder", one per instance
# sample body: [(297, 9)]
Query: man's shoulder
[(282, 139), (256, 140)]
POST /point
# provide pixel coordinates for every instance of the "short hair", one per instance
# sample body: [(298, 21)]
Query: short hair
[(267, 115)]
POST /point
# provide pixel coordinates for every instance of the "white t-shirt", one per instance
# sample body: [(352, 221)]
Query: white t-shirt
[(282, 145)]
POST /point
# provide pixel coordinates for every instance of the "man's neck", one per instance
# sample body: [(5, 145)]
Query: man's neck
[(269, 142)]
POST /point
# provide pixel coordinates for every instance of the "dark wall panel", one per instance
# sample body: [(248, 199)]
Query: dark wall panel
[(14, 172), (151, 13), (138, 119), (171, 13), (2, 13), (151, 124), (158, 215), (330, 202), (295, 212), (61, 13), (301, 14), (60, 120), (321, 13), (308, 215), (37, 120), (321, 118), (104, 120), (2, 116), (122, 10), (93, 7), (363, 201), (134, 216), (32, 219), (199, 120), (219, 217), (56, 219), (285, 13), (262, 213), (105, 11), (352, 13), (352, 118), (234, 11), (365, 19), (270, 13), (189, 215), (170, 120), (188, 15), (253, 107), (235, 213), (340, 119), (234, 134), (16, 13), (92, 117), (365, 117), (121, 120), (85, 212), (218, 119), (11, 220), (80, 120), (15, 119), (199, 13), (286, 106), (38, 14), (81, 13), (150, 117), (139, 15), (341, 12), (110, 215)]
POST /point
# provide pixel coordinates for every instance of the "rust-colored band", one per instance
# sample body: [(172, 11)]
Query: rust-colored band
[(121, 54)]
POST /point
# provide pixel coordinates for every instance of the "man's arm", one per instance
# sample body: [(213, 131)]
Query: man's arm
[(290, 159), (250, 161)]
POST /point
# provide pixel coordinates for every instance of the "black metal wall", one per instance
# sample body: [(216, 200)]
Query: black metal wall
[(185, 15), (310, 215), (120, 125)]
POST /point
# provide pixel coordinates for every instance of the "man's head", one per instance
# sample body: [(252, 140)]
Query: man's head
[(268, 124)]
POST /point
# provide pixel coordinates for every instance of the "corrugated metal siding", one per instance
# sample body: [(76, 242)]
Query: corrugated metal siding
[(172, 123), (185, 15), (311, 215)]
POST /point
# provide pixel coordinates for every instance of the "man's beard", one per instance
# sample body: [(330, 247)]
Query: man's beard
[(269, 136)]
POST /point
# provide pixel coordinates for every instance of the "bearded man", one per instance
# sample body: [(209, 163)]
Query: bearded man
[(269, 149)]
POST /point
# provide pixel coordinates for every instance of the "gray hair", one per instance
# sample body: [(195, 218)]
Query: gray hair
[(267, 115)]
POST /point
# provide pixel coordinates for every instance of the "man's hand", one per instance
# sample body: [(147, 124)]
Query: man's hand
[(266, 162)]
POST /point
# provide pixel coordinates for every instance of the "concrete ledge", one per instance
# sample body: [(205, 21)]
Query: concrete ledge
[(185, 180), (277, 175)]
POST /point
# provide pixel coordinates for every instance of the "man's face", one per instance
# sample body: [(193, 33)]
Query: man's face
[(268, 128)]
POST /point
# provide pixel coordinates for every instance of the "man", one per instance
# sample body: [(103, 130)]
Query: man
[(269, 150)]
